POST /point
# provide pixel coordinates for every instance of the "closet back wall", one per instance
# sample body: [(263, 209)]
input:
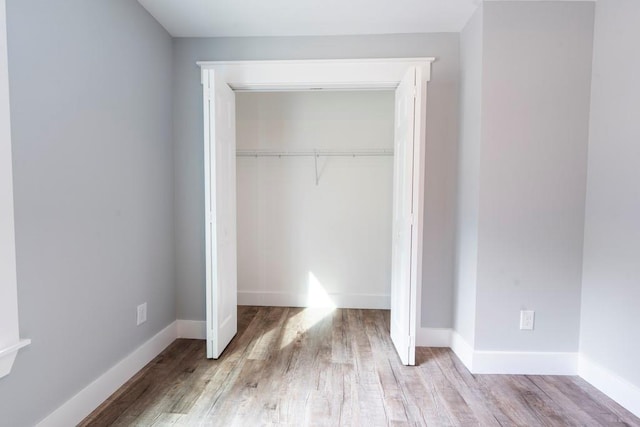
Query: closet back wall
[(303, 244)]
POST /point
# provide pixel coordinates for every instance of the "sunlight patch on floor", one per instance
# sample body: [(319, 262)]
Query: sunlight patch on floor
[(318, 306)]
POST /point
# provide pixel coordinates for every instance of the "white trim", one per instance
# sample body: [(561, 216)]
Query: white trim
[(333, 74), (513, 362), (10, 342), (8, 356), (14, 348), (614, 386), (545, 363), (416, 60), (89, 398), (525, 363), (433, 337), (462, 349), (292, 299), (427, 337), (192, 329)]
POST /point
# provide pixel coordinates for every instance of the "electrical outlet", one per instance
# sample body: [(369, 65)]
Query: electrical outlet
[(142, 314), (527, 318)]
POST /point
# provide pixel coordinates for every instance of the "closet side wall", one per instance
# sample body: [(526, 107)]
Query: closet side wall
[(307, 244)]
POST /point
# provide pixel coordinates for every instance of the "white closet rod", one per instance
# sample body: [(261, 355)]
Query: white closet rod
[(258, 153), (314, 154)]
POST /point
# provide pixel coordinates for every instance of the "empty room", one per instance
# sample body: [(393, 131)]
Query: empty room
[(365, 213)]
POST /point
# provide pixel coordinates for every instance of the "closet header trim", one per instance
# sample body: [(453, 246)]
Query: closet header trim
[(316, 74)]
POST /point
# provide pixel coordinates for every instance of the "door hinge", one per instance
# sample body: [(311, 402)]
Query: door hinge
[(415, 91)]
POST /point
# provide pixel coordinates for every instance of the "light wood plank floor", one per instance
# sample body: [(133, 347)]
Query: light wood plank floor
[(295, 366)]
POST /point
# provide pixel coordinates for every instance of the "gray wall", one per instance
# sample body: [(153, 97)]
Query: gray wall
[(91, 119), (466, 268), (536, 92), (611, 274), (442, 118)]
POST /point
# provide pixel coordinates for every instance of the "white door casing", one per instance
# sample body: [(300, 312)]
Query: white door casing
[(220, 213), (10, 341), (350, 74)]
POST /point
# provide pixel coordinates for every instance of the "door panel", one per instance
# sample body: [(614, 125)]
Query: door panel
[(403, 286), (220, 206)]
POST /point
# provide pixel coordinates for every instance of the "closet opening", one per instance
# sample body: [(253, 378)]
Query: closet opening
[(314, 188), (314, 197)]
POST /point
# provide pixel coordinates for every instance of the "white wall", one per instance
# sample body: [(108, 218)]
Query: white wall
[(8, 290), (611, 274), (294, 236), (468, 177), (93, 176), (441, 150)]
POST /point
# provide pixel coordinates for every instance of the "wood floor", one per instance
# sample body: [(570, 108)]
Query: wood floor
[(293, 366)]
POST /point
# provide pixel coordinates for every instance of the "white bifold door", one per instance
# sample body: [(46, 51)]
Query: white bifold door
[(220, 213), (407, 215)]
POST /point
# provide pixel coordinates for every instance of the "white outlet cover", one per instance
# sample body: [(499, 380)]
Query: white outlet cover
[(142, 314), (527, 320)]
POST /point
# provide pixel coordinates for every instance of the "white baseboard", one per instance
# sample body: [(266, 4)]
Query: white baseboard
[(542, 363), (617, 388), (89, 398), (289, 299), (433, 337), (513, 362), (192, 329), (525, 363), (462, 349)]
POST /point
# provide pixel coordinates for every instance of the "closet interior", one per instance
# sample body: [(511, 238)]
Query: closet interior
[(314, 192)]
